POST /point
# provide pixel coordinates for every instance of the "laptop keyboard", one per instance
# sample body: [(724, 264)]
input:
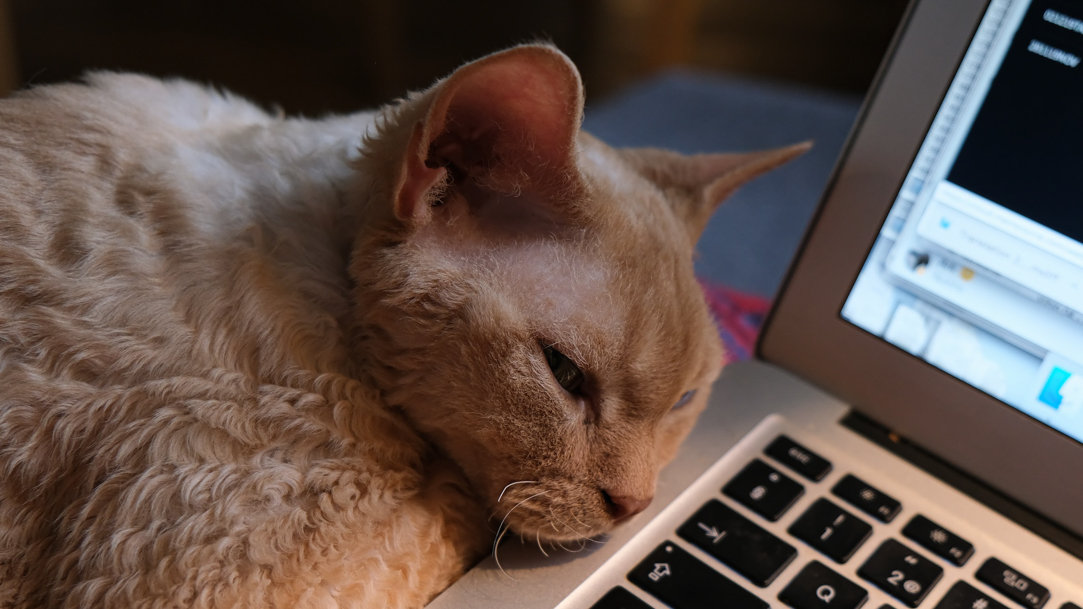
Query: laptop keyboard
[(836, 520)]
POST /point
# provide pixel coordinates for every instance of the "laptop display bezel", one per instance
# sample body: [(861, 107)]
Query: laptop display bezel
[(806, 334)]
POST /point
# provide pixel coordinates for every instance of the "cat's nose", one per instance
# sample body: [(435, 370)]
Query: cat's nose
[(623, 507)]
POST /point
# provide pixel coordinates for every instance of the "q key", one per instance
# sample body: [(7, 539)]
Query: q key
[(818, 587)]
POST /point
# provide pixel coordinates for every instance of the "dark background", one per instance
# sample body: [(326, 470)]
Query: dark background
[(334, 55)]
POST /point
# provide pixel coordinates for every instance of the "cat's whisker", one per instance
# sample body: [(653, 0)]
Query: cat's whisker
[(582, 539), (568, 528), (581, 523), (503, 530), (501, 497), (496, 554), (505, 519), (496, 539), (586, 538), (537, 537), (553, 520)]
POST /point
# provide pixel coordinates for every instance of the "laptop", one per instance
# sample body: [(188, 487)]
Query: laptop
[(911, 433)]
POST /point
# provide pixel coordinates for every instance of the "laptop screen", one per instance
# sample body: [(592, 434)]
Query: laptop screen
[(978, 267)]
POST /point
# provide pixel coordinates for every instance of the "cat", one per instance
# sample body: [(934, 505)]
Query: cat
[(256, 361)]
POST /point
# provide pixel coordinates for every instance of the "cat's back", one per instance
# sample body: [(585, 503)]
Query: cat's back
[(149, 202), (154, 230), (116, 111), (71, 154), (81, 139), (79, 240)]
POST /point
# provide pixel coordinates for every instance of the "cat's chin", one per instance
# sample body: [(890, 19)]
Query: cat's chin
[(554, 512)]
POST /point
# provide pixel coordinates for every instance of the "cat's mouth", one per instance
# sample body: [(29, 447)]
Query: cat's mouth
[(561, 512)]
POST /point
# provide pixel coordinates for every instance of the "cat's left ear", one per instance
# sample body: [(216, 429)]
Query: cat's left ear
[(701, 182), (507, 122)]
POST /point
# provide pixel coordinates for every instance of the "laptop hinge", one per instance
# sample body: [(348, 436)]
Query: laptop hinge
[(961, 481)]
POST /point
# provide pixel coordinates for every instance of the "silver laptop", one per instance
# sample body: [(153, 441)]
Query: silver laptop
[(912, 434)]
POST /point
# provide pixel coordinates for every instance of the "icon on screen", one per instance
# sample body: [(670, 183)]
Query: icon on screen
[(1051, 392), (918, 261)]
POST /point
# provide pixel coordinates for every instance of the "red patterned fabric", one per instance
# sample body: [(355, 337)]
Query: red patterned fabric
[(739, 316)]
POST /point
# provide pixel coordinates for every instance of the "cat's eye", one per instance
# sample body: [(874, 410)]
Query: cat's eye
[(685, 398), (567, 374)]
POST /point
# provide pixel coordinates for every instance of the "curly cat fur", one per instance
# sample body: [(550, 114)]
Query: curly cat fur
[(180, 424), (253, 361)]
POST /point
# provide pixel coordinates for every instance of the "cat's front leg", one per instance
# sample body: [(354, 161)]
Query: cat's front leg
[(435, 538)]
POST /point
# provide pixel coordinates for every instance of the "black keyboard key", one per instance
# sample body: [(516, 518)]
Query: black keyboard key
[(831, 530), (738, 542), (902, 573), (1070, 606), (619, 598), (764, 490), (676, 578), (818, 587), (938, 540), (1013, 584), (867, 498), (964, 596), (798, 458)]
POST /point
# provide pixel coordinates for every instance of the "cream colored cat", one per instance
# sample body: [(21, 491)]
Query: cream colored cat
[(251, 361)]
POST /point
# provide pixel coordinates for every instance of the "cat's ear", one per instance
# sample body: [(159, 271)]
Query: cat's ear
[(507, 122), (701, 182)]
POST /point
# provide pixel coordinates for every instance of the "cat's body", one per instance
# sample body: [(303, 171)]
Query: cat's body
[(267, 362), (189, 318)]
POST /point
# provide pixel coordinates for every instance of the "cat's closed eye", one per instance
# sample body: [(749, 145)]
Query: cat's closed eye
[(684, 399), (567, 374)]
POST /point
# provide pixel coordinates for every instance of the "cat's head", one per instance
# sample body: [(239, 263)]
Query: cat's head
[(525, 292)]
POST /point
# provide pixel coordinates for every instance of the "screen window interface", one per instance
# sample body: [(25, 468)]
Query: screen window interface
[(978, 268)]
